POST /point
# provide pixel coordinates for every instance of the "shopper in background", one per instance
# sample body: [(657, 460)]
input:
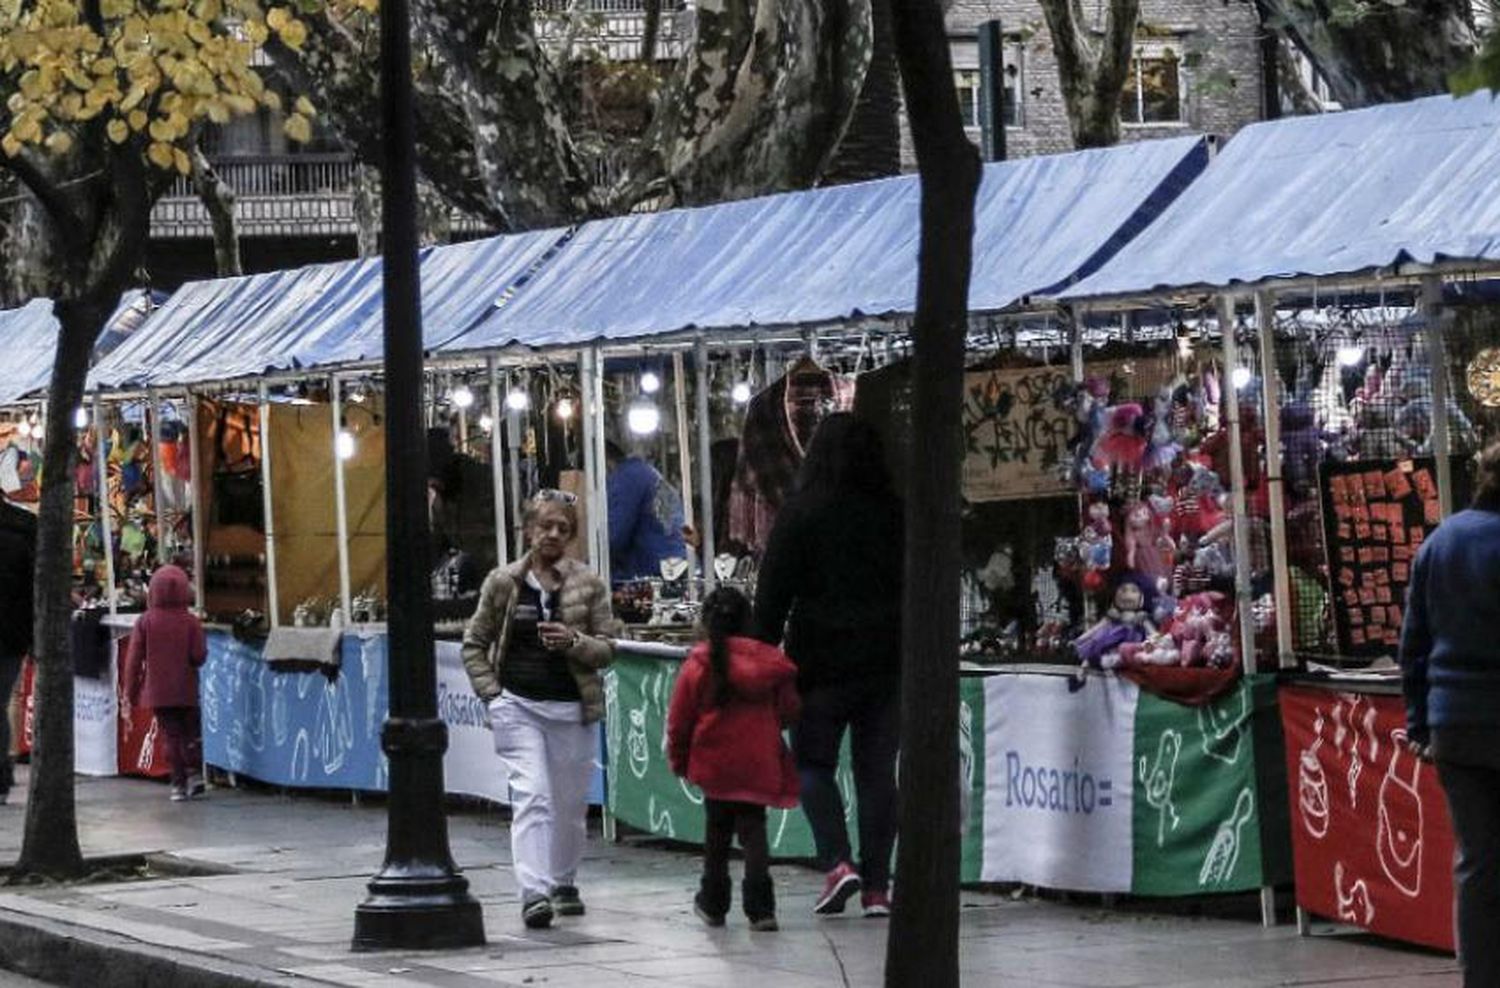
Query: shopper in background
[(1451, 677), (645, 517), (17, 586), (733, 698), (533, 651), (167, 646), (830, 587)]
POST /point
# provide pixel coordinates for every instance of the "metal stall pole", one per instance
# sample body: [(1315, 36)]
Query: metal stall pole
[(1265, 318), (705, 462), (195, 503), (497, 463), (589, 425), (684, 455), (1437, 359), (340, 497), (153, 422), (273, 607), (101, 472), (514, 439), (600, 489), (1242, 595)]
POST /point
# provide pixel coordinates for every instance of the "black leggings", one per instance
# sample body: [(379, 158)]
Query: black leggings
[(726, 821)]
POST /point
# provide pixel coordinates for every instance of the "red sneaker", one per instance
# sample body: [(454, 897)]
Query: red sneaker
[(841, 885), (877, 904)]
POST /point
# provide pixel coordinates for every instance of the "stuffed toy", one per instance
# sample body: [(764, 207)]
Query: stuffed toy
[(1201, 631), (1127, 621), (1199, 508), (1157, 650), (1088, 409), (1096, 546), (1148, 547), (1163, 448), (1301, 447), (1123, 445)]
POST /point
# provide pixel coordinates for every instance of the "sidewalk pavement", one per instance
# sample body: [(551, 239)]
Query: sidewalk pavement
[(283, 915)]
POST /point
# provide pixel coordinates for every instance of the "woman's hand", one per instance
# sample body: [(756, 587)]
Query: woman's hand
[(556, 637)]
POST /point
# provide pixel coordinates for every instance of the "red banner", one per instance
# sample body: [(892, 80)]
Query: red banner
[(1371, 839), (142, 749)]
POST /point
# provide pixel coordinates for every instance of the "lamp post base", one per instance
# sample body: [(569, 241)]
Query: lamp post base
[(426, 913)]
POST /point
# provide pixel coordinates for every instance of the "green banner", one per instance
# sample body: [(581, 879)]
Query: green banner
[(643, 792), (1197, 804)]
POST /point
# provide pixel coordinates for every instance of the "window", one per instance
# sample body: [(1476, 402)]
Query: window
[(967, 81), (1154, 89)]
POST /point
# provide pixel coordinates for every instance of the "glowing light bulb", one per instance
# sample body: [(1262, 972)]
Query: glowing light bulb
[(357, 396), (565, 408), (1241, 377), (1351, 356), (518, 401), (344, 445), (650, 383), (81, 418), (38, 432), (486, 423), (740, 393), (643, 419), (463, 397), (24, 429)]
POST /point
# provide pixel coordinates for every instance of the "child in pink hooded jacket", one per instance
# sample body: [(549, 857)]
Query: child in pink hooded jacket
[(166, 648)]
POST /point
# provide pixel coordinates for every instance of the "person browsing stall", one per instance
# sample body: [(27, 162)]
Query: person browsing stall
[(533, 651)]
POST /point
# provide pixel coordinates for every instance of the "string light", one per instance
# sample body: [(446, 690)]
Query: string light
[(518, 401), (343, 445), (740, 393), (643, 418), (81, 418), (650, 383), (462, 397), (565, 408), (1241, 377), (486, 423), (24, 429), (1351, 356), (38, 432)]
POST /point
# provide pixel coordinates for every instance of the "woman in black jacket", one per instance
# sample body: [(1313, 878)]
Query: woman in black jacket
[(830, 587)]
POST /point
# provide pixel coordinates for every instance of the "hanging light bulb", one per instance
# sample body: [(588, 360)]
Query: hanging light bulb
[(357, 396), (462, 397), (1351, 355), (650, 383), (518, 401), (643, 419), (81, 418), (486, 423), (24, 429), (344, 445), (740, 393), (565, 408), (1241, 377), (38, 432)]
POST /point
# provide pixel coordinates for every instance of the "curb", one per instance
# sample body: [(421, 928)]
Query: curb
[(67, 954)]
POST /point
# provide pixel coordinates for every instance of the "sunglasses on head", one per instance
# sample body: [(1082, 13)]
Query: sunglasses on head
[(552, 494)]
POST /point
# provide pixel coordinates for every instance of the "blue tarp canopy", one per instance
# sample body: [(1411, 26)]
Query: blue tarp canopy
[(319, 316), (832, 254), (1329, 195), (28, 338)]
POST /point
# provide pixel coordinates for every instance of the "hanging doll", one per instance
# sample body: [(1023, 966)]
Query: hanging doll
[(1089, 400), (1127, 621), (1096, 545), (1199, 508), (1201, 630), (1148, 548), (1124, 444), (1163, 448)]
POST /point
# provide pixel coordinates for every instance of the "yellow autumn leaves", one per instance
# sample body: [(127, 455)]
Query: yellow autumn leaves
[(158, 70)]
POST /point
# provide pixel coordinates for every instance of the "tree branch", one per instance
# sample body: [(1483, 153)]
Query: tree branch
[(47, 190)]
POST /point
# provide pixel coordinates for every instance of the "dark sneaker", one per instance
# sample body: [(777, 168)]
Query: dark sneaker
[(537, 913), (709, 917), (195, 786), (877, 904), (179, 794), (566, 901), (765, 924), (842, 884)]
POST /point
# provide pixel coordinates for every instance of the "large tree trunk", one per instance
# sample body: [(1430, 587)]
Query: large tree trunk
[(651, 32), (1384, 52), (871, 147), (922, 949), (218, 199), (1092, 70)]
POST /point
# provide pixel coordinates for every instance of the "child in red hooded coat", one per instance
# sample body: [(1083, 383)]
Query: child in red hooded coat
[(732, 700), (167, 646)]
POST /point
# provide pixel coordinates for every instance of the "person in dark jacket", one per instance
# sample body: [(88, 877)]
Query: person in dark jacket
[(167, 647), (17, 586), (645, 517), (734, 696), (830, 587), (1450, 665)]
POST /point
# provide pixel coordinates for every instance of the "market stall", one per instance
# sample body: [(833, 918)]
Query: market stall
[(1370, 355)]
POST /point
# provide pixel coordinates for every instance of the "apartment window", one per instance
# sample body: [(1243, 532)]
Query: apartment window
[(1155, 90), (967, 82)]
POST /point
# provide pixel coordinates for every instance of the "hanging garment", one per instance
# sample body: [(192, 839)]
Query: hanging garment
[(779, 425)]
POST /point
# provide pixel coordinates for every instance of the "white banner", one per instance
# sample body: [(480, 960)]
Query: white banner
[(96, 715), (1057, 805), (471, 766)]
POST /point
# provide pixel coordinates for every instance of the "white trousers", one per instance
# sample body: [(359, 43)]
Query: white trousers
[(549, 759)]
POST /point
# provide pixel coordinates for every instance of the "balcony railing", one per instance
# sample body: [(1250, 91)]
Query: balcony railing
[(289, 195)]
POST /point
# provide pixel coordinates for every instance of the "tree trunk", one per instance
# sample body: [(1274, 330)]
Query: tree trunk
[(922, 949), (218, 200), (1386, 52), (651, 32), (871, 147), (365, 191), (50, 848), (1091, 71)]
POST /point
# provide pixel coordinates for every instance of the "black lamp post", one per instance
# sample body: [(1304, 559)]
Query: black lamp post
[(418, 900)]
